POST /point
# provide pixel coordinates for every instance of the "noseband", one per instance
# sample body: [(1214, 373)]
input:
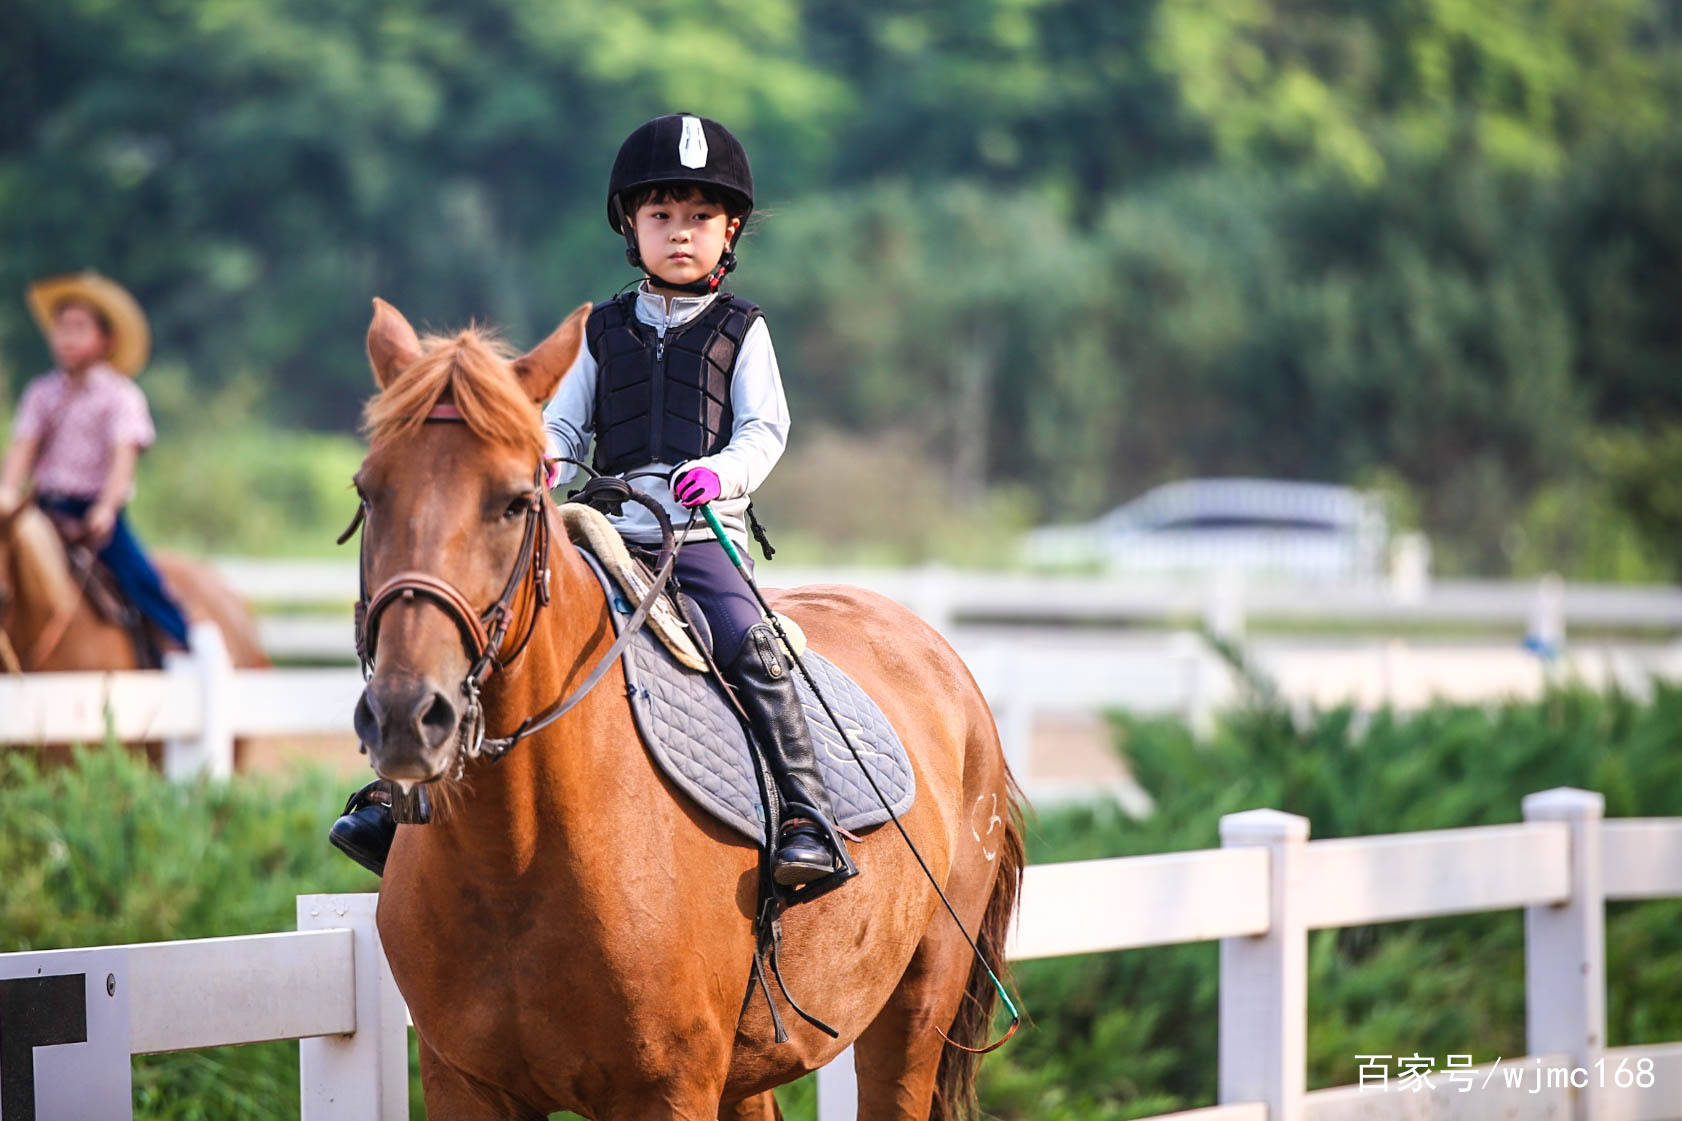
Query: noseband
[(482, 632)]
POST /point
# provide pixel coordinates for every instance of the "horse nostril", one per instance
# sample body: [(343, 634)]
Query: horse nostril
[(366, 722), (440, 719)]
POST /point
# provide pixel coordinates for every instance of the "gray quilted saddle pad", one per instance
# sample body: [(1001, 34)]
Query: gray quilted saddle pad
[(696, 739)]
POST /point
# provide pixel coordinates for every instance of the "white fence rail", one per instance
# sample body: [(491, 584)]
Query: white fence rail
[(198, 706), (201, 703), (1259, 894), (1269, 885), (944, 595)]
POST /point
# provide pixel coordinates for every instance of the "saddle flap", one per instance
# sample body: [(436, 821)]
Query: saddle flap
[(99, 586)]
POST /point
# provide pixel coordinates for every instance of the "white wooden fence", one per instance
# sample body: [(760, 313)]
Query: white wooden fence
[(201, 703), (1259, 895), (945, 596), (198, 705)]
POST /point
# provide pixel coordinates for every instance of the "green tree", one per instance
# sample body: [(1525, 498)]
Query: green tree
[(1329, 87)]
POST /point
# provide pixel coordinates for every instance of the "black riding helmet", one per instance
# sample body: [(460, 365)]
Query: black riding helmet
[(680, 148)]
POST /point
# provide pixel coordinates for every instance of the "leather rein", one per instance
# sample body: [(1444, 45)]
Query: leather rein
[(483, 632)]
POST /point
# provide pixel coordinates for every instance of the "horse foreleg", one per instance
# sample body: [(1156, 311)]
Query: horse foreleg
[(453, 1096), (760, 1107)]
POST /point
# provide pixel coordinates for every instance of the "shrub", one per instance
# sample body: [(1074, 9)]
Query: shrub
[(106, 852), (1128, 1034)]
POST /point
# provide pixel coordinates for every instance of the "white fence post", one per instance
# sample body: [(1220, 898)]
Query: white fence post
[(1410, 569), (1545, 632), (212, 750), (1565, 949), (1223, 605), (838, 1089), (996, 667), (363, 1076), (931, 596), (1188, 652), (1264, 977)]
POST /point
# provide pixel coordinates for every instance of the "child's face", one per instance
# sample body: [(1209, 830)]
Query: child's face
[(78, 341), (681, 241)]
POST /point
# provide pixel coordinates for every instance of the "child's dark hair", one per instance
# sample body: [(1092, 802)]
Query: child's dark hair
[(682, 191), (101, 320)]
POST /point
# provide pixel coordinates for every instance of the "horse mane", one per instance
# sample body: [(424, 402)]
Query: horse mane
[(43, 570), (472, 370)]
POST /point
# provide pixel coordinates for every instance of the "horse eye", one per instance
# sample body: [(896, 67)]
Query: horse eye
[(518, 507)]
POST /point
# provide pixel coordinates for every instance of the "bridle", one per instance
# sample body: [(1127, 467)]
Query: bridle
[(483, 632)]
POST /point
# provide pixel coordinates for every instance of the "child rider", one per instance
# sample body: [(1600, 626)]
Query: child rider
[(80, 428), (678, 381)]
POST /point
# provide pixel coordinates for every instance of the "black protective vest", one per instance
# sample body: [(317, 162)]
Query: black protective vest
[(663, 400)]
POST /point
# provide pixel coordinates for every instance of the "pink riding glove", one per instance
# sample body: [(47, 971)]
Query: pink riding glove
[(696, 487)]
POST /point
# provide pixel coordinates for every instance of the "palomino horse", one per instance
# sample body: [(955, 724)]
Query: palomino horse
[(571, 931), (49, 624)]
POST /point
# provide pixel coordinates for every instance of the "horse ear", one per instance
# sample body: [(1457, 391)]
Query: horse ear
[(541, 370), (392, 345)]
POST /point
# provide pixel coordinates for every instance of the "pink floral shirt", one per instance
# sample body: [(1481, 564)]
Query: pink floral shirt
[(80, 426)]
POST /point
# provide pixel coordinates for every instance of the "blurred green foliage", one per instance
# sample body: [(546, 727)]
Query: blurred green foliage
[(1077, 247), (106, 852), (221, 480), (1644, 468)]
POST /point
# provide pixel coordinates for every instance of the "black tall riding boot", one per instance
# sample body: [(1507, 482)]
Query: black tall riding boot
[(365, 830), (766, 689)]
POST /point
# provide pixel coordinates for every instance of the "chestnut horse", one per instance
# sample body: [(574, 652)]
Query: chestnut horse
[(48, 624), (571, 932)]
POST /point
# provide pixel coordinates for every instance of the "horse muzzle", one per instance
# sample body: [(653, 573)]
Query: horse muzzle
[(409, 727)]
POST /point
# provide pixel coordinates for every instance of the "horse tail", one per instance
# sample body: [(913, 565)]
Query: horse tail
[(954, 1096)]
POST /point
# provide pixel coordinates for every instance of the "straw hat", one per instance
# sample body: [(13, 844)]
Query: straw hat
[(131, 338)]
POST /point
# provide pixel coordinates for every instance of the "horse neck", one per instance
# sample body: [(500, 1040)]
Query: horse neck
[(43, 587)]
